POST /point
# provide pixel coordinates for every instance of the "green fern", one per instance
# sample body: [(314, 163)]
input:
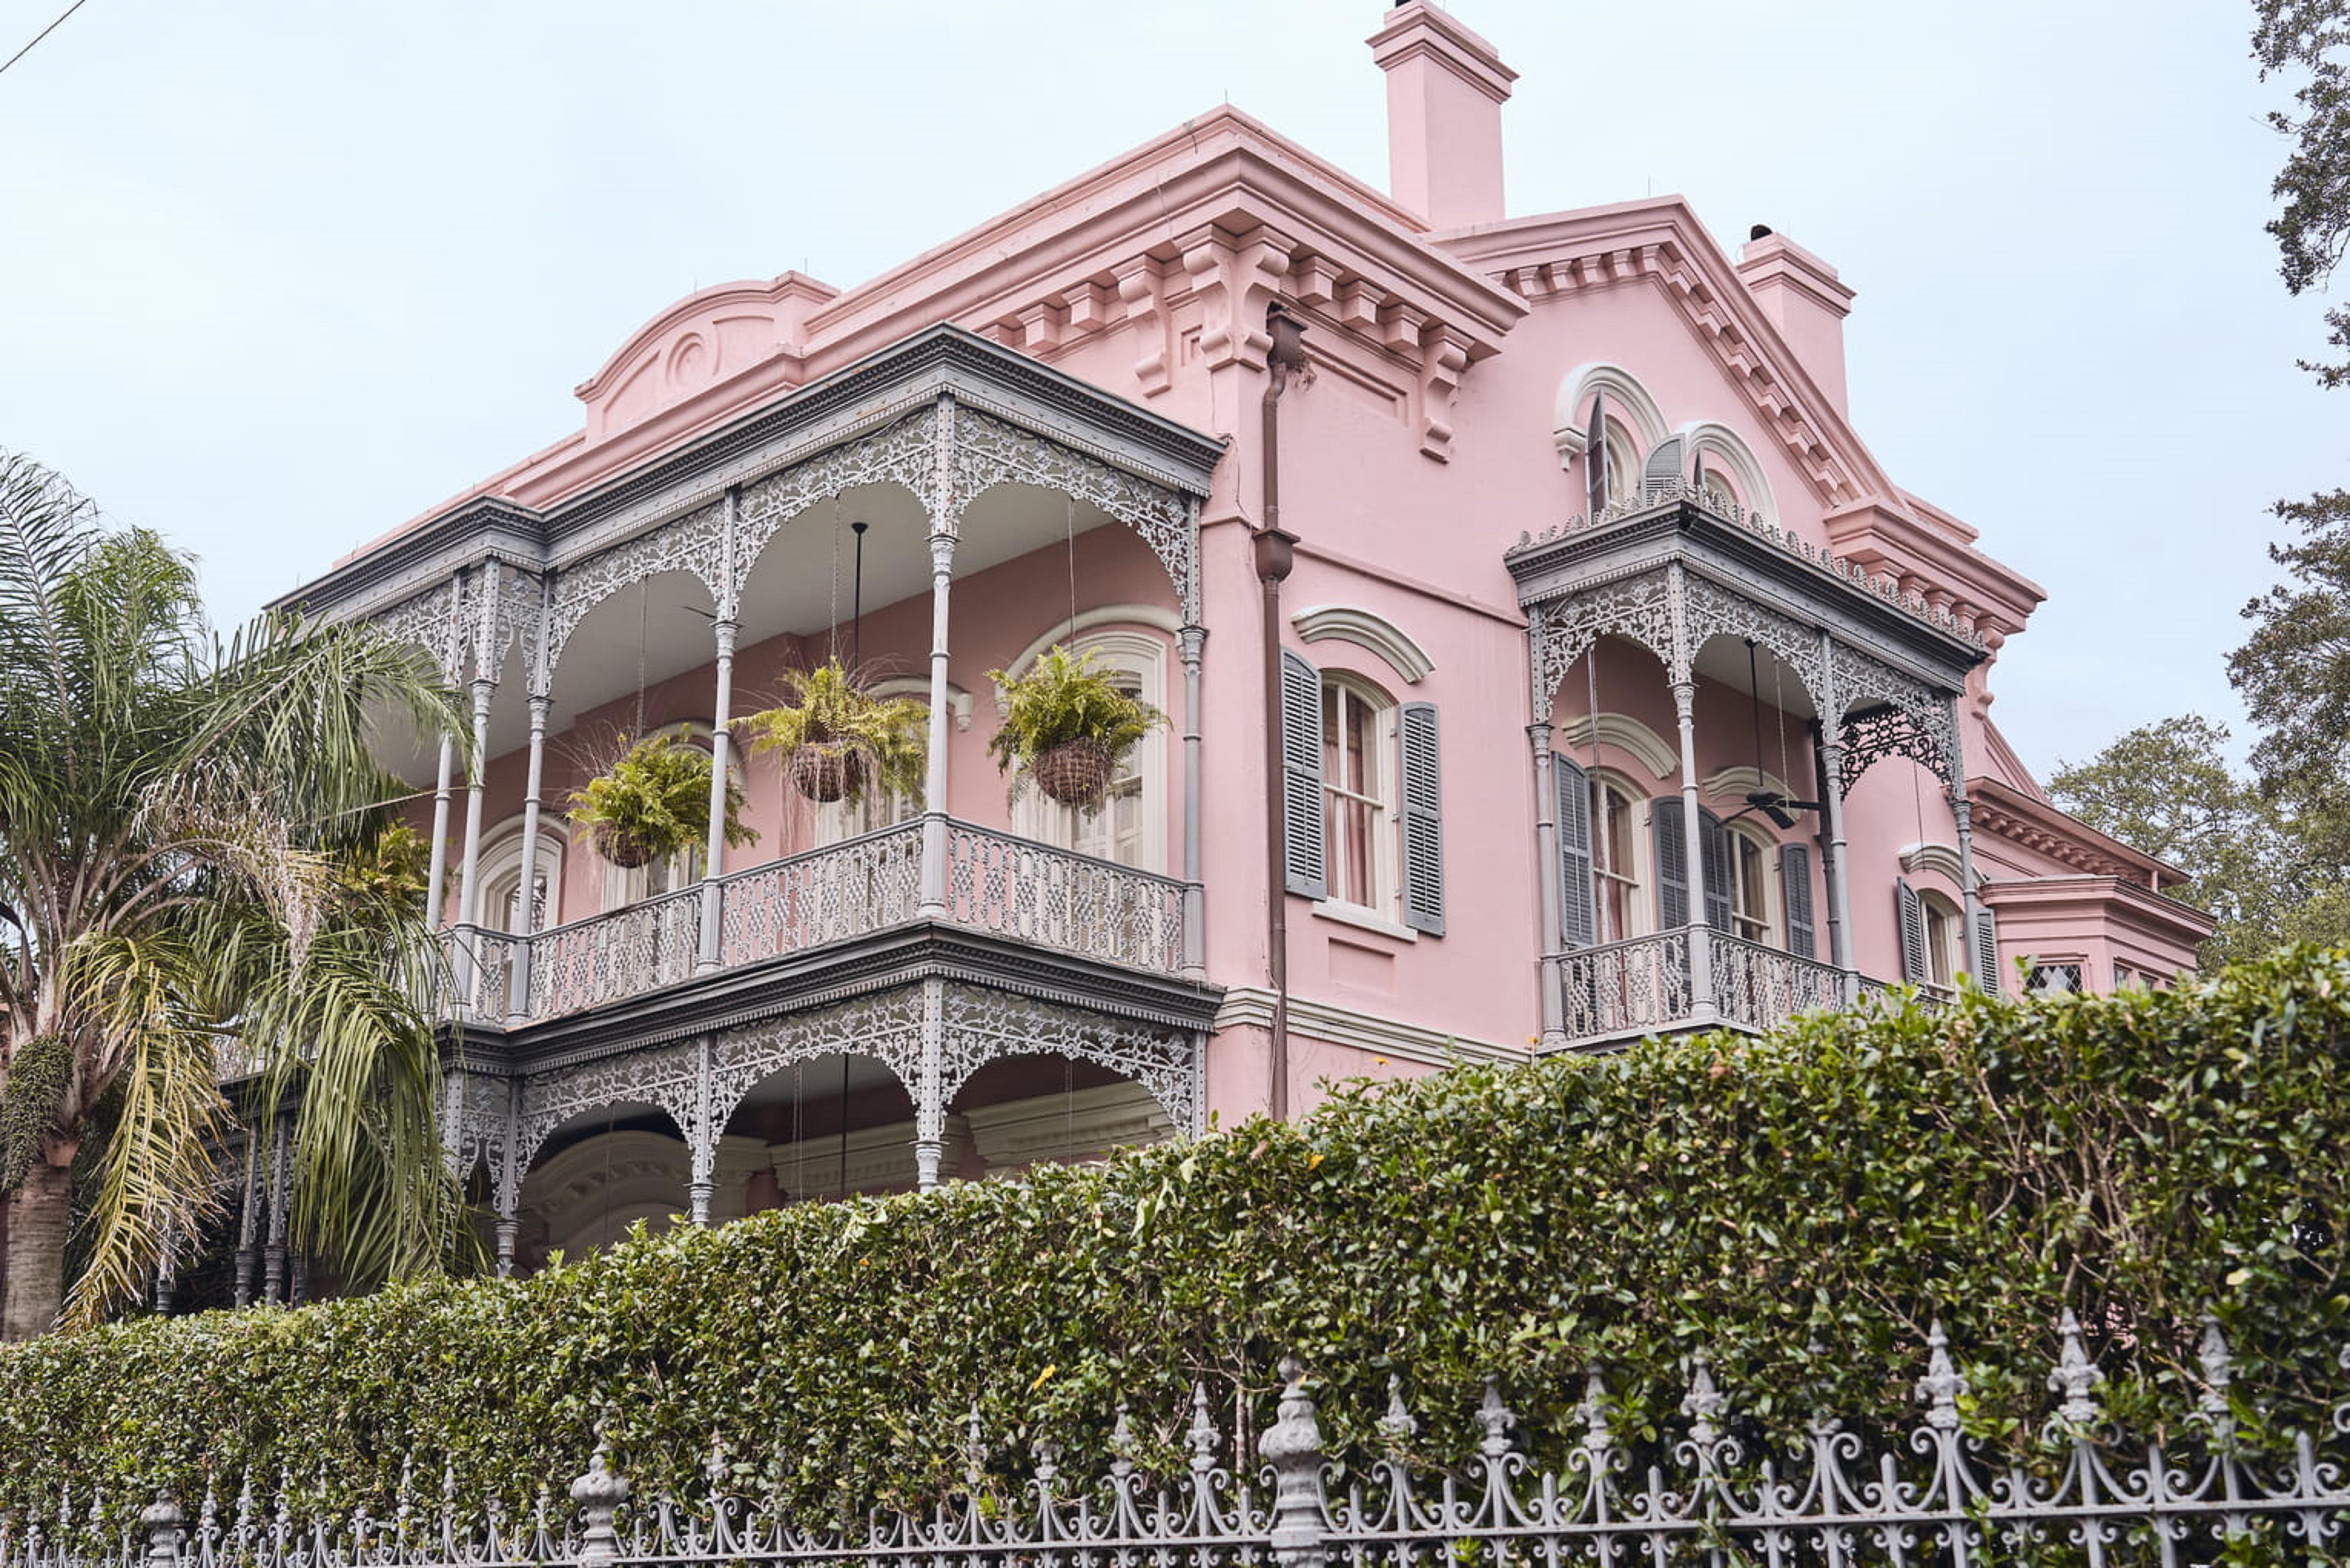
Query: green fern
[(827, 706), (1066, 697), (655, 801)]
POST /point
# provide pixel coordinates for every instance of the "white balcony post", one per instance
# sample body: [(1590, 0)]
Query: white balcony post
[(280, 1189), (1189, 642), (721, 761), (469, 892), (929, 1102), (1701, 945), (1962, 815), (518, 999), (436, 876), (934, 790), (1546, 875), (702, 1137), (1830, 742), (505, 1185)]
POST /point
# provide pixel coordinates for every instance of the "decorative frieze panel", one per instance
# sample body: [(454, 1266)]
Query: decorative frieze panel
[(1897, 716), (988, 452), (904, 453), (434, 620), (982, 1025), (887, 1027), (666, 1076), (695, 542), (1711, 610), (1640, 608)]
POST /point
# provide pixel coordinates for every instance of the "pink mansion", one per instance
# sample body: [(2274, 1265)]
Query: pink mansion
[(1548, 663)]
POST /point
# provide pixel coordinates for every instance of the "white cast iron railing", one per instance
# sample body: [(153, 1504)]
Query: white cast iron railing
[(1071, 903), (1713, 1488), (479, 972), (606, 957), (1760, 987), (847, 890), (1627, 988)]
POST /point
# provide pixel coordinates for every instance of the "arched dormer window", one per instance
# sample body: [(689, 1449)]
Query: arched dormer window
[(501, 907)]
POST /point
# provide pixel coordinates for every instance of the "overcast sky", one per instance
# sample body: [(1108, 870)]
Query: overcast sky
[(276, 277)]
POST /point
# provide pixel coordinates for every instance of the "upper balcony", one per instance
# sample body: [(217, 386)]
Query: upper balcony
[(998, 884)]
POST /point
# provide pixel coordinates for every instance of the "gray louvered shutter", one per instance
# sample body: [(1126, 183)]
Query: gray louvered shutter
[(1714, 855), (1595, 458), (1304, 867), (1668, 833), (1795, 887), (1578, 923), (1424, 818), (1663, 470), (1912, 912), (1986, 949)]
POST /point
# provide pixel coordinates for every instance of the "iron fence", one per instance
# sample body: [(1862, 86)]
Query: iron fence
[(1709, 1497)]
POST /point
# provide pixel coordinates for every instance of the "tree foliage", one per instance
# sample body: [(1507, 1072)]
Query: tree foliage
[(174, 810), (1799, 1207)]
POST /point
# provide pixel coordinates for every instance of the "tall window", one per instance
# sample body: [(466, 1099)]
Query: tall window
[(1718, 496), (1359, 792), (1750, 886), (1623, 464), (1130, 825), (625, 885), (501, 906), (1619, 907), (1943, 929)]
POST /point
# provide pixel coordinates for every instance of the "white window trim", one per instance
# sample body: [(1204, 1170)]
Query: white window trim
[(1119, 646), (501, 861), (1932, 901), (1728, 786), (1385, 872), (1937, 857), (1773, 932), (1625, 395), (1736, 460), (1626, 734), (1362, 918), (1640, 906), (1075, 630), (1365, 630)]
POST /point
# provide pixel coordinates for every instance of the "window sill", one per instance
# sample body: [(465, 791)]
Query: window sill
[(1364, 919)]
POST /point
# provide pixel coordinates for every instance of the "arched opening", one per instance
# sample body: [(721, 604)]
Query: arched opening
[(821, 1128), (1050, 1109), (598, 1175)]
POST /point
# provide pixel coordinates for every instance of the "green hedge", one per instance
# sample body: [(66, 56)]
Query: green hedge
[(1799, 1207)]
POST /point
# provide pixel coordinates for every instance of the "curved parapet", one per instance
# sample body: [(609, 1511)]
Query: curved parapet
[(703, 340)]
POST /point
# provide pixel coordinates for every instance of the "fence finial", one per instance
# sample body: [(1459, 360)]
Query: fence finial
[(1943, 1385), (2218, 1373), (1497, 1419), (1597, 1435), (2075, 1378), (1121, 1443), (975, 1450), (160, 1520), (1204, 1437), (1705, 1402), (1398, 1426), (599, 1491), (1292, 1447)]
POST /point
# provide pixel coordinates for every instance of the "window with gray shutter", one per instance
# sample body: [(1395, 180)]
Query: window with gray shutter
[(1795, 891), (1911, 910), (1668, 833), (1305, 866), (1596, 477), (1423, 822), (1713, 854), (1662, 471), (1578, 922), (1986, 949)]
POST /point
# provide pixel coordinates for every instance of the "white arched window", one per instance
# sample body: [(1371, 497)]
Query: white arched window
[(1619, 910), (501, 907), (1623, 462), (1130, 826), (625, 885)]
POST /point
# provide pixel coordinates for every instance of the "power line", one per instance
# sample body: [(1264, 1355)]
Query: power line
[(44, 33)]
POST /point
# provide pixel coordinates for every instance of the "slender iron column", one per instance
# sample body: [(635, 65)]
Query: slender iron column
[(273, 1257), (167, 1272), (1546, 875), (518, 999), (1827, 738), (722, 742), (934, 790), (469, 892), (1963, 817), (249, 1216), (436, 883), (1701, 929), (1189, 643), (929, 1101), (704, 1136), (506, 1189)]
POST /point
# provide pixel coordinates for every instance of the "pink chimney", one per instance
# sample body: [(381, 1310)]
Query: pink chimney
[(1446, 86)]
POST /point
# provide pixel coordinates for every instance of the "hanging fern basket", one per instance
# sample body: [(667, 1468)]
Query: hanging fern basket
[(825, 772), (620, 848), (1074, 772)]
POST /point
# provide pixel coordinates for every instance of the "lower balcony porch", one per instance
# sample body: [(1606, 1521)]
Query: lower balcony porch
[(1692, 977)]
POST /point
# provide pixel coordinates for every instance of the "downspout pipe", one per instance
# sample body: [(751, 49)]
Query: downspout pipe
[(1274, 549)]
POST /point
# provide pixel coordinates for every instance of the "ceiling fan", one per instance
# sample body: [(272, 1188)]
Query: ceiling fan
[(1778, 807)]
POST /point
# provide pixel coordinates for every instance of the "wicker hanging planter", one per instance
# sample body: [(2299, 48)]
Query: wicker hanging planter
[(1074, 772), (619, 848), (826, 770), (653, 800)]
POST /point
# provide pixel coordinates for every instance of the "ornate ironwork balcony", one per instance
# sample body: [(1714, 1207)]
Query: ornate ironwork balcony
[(1620, 991), (1003, 885)]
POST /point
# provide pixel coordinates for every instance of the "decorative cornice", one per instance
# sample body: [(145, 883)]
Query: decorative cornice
[(2009, 813), (1251, 1007)]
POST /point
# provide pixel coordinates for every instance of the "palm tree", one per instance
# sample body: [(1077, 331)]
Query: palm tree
[(173, 812)]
